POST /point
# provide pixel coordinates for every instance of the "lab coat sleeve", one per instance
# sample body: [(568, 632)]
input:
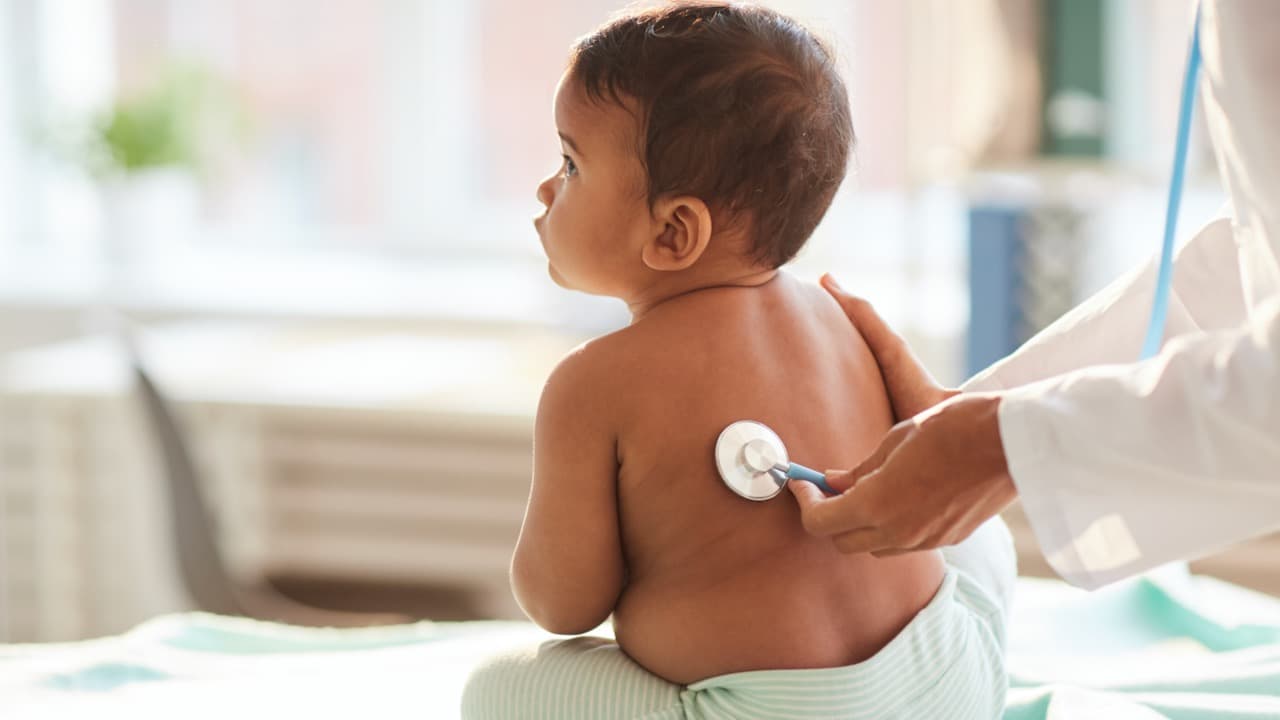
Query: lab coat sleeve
[(1241, 43), (1122, 468), (1108, 327)]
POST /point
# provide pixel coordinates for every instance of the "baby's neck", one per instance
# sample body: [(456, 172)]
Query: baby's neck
[(666, 287)]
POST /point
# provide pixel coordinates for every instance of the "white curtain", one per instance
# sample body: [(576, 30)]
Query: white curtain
[(974, 87)]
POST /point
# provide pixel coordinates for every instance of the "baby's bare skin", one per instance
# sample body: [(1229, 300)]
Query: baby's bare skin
[(716, 583), (627, 514)]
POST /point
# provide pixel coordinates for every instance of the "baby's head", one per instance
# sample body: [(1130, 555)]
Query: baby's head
[(696, 137)]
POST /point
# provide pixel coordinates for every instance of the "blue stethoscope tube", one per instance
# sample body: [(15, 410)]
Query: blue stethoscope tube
[(1164, 277), (796, 471)]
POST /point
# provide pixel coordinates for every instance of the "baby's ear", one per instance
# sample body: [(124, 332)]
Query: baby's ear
[(681, 232)]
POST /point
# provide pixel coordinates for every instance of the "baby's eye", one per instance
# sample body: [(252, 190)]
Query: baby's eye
[(570, 169)]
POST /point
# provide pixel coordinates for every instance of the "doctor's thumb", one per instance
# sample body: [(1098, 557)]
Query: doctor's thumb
[(841, 480), (877, 333)]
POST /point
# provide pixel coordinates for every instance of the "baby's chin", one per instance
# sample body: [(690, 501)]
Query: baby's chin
[(557, 278), (580, 286)]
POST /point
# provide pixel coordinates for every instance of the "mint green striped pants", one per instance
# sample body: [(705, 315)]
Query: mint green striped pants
[(947, 663)]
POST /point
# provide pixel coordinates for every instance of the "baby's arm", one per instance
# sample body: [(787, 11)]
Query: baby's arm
[(568, 567)]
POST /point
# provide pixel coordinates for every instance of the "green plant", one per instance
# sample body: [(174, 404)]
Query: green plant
[(171, 124)]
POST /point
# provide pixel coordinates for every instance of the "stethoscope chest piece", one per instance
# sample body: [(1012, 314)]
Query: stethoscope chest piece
[(753, 462), (747, 454)]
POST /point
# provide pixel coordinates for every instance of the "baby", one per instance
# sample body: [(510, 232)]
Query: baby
[(702, 143)]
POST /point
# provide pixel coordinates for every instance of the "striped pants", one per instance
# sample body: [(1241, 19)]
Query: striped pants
[(947, 663)]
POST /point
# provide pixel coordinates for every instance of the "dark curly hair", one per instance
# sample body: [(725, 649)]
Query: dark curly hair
[(739, 106)]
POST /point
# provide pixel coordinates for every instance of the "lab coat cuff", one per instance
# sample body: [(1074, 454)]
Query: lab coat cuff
[(986, 381), (1029, 453)]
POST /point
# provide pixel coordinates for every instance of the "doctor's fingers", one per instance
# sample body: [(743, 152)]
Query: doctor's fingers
[(824, 516), (807, 495), (924, 541), (860, 312), (863, 540), (936, 528), (911, 388), (884, 541), (885, 529), (841, 480), (885, 344)]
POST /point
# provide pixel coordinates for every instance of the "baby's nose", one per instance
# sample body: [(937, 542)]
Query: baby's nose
[(546, 192)]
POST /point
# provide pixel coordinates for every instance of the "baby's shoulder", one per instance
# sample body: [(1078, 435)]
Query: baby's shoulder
[(593, 367)]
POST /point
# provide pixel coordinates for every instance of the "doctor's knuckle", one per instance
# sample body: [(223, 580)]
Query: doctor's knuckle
[(847, 545), (907, 537), (818, 519), (810, 521)]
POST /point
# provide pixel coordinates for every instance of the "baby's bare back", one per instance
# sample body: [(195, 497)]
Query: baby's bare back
[(716, 583)]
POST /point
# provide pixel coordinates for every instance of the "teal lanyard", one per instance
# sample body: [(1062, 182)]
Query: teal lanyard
[(1160, 306)]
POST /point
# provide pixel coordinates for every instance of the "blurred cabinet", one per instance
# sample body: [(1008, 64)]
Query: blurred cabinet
[(1074, 65), (1024, 268), (371, 455)]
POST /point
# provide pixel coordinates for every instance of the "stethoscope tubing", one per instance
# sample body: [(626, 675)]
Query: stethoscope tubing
[(1164, 275), (796, 471)]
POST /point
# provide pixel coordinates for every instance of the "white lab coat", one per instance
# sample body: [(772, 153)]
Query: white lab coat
[(1123, 466)]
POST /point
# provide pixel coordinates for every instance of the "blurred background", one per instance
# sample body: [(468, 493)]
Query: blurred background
[(311, 222)]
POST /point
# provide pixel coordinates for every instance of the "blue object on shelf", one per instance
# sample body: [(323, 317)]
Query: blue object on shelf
[(996, 247)]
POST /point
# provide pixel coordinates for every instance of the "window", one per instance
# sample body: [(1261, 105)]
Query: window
[(418, 125), (412, 133)]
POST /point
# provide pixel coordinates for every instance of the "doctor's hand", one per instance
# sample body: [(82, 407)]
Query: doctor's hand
[(934, 479), (911, 388)]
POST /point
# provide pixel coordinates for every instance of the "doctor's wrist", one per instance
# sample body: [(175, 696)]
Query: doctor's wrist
[(974, 447), (988, 446)]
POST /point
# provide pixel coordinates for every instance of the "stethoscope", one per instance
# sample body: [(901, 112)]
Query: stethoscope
[(752, 459), (753, 462)]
